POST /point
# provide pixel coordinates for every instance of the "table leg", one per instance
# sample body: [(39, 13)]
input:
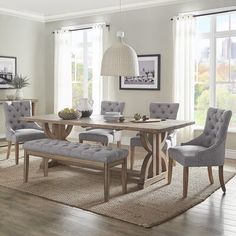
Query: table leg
[(155, 161), (57, 131)]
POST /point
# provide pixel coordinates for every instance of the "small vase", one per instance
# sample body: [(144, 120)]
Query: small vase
[(85, 106), (19, 94)]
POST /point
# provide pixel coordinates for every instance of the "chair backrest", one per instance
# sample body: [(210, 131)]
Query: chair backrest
[(111, 106), (216, 127), (14, 111), (164, 110)]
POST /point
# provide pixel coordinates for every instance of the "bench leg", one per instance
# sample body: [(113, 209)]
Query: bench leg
[(124, 176), (26, 167), (45, 167), (106, 182)]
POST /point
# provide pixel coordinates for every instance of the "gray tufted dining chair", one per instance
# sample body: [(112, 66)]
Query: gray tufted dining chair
[(18, 131), (208, 149), (157, 110), (104, 136)]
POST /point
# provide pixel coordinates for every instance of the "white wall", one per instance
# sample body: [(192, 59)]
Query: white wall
[(149, 31), (24, 39)]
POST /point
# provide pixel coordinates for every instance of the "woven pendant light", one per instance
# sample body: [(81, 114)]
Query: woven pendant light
[(120, 59)]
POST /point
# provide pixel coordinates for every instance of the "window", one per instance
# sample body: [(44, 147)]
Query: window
[(82, 62), (215, 80)]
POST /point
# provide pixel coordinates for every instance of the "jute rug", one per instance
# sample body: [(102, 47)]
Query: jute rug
[(84, 189)]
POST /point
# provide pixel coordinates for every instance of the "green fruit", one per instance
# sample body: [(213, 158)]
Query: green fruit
[(137, 116)]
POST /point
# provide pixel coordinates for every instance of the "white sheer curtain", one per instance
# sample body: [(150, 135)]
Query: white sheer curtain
[(62, 70), (98, 34), (184, 63)]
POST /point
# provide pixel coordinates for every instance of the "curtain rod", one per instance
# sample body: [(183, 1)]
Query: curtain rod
[(212, 13), (85, 28)]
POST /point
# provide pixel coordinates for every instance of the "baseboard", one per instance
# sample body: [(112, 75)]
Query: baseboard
[(230, 154)]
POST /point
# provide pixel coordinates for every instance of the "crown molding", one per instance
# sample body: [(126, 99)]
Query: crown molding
[(115, 9), (92, 12), (22, 14)]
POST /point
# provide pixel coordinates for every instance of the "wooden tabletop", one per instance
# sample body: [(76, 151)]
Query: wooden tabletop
[(99, 122)]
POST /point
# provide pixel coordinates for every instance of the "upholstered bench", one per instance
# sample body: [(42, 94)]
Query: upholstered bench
[(77, 153)]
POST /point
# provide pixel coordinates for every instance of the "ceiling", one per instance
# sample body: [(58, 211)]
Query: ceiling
[(50, 10)]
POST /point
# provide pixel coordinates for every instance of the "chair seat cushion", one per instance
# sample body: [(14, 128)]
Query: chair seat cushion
[(83, 151), (97, 135), (23, 135), (186, 155), (135, 141)]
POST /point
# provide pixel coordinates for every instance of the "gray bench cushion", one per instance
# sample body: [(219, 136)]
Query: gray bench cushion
[(76, 150)]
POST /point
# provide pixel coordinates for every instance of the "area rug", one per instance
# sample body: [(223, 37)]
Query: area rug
[(84, 189)]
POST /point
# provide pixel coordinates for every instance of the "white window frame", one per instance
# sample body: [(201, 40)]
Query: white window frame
[(212, 36)]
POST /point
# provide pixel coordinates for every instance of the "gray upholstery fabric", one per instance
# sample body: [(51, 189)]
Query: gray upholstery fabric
[(209, 148), (103, 135), (23, 135), (162, 111), (97, 135), (109, 106), (77, 150), (17, 130)]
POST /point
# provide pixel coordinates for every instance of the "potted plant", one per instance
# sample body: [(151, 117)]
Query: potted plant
[(18, 83)]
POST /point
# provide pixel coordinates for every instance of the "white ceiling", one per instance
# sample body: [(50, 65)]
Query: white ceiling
[(49, 10)]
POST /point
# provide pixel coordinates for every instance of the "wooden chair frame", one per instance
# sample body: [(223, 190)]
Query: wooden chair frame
[(186, 174)]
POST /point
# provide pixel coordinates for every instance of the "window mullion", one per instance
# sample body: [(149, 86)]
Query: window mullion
[(213, 63), (85, 65)]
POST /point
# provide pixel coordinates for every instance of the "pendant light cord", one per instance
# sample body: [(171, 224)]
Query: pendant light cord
[(120, 16)]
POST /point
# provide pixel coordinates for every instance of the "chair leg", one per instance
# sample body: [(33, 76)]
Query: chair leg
[(210, 175), (8, 149), (124, 176), (170, 169), (132, 148), (185, 182), (45, 167), (17, 153), (26, 167), (106, 182), (221, 177), (80, 141), (118, 144)]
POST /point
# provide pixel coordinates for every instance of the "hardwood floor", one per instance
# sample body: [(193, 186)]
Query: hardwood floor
[(25, 214)]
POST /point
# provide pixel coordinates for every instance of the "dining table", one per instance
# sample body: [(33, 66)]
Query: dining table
[(154, 164)]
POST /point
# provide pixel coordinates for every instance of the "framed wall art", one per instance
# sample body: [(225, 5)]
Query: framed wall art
[(149, 74), (7, 71)]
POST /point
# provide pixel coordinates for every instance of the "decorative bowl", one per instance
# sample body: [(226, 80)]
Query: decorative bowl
[(69, 115), (86, 113)]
